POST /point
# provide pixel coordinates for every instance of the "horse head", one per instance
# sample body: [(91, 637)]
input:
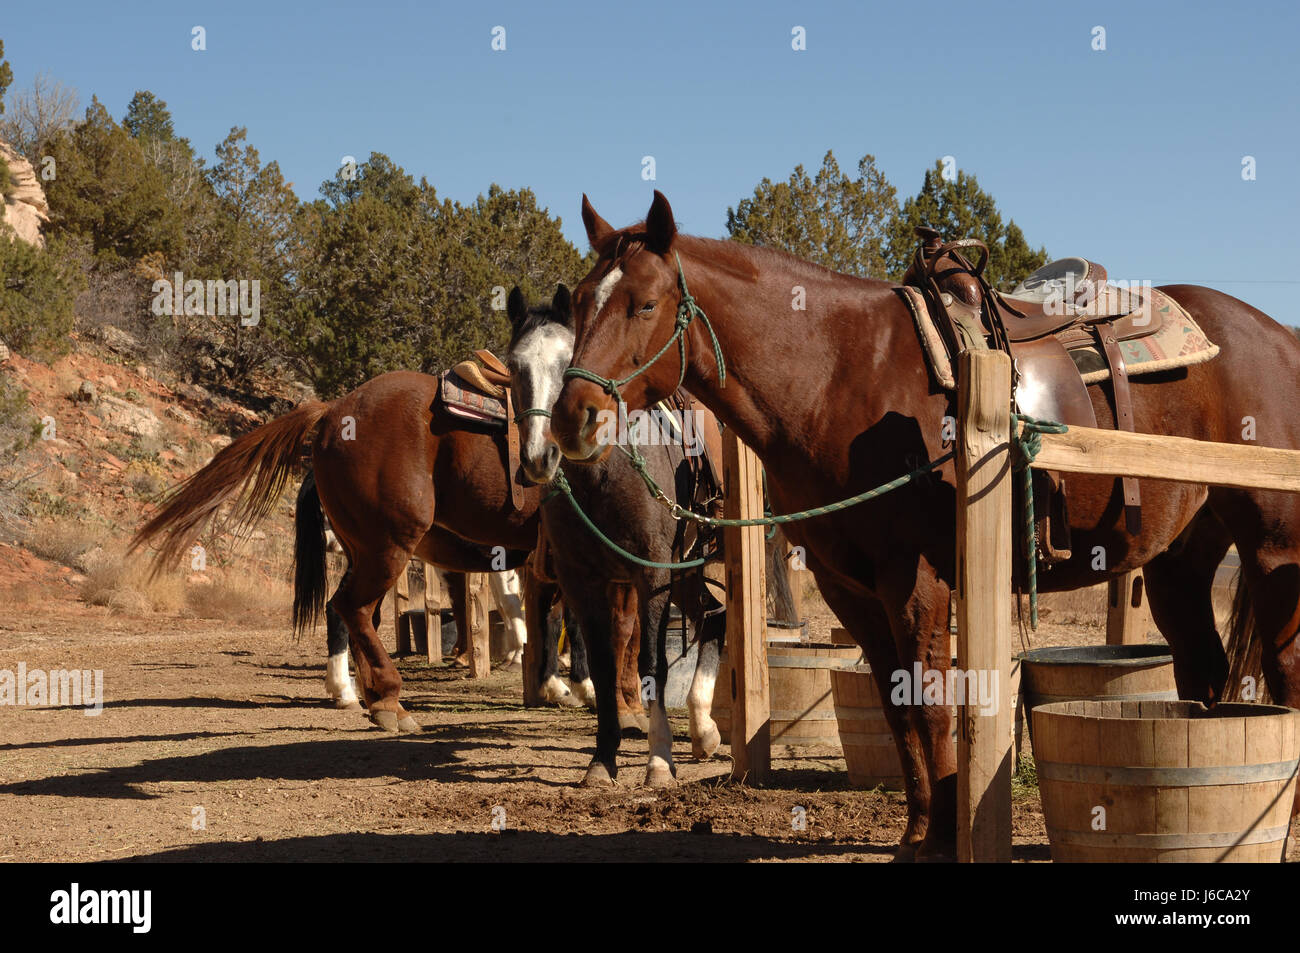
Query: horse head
[(625, 315), (541, 346)]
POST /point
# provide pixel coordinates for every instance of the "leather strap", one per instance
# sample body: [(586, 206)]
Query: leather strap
[(493, 370), (512, 453), (1123, 418)]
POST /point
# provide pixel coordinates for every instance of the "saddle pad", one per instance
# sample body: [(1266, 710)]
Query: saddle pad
[(1180, 342), (464, 400)]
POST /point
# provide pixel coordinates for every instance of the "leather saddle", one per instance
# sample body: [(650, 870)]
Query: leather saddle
[(1052, 324), (480, 392)]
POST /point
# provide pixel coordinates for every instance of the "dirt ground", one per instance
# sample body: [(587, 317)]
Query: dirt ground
[(226, 725)]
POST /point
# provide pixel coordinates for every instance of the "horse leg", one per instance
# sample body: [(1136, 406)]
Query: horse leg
[(866, 620), (709, 617), (1179, 585), (579, 670), (920, 622), (625, 631), (459, 612), (653, 617), (509, 602), (598, 651), (338, 683), (554, 690), (357, 602)]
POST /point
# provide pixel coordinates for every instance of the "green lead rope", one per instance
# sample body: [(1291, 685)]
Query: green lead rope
[(1027, 442)]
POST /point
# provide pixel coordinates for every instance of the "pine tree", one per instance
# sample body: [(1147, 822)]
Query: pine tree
[(830, 219), (958, 208)]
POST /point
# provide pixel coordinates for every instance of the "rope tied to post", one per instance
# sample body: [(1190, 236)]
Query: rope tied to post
[(1026, 440)]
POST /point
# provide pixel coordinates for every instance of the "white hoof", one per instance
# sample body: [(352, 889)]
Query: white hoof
[(585, 691), (554, 690), (338, 683)]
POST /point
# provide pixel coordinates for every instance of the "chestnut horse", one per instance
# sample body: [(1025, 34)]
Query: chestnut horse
[(837, 398), (397, 475)]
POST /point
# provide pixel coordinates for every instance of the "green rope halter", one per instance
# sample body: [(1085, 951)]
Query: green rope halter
[(687, 311)]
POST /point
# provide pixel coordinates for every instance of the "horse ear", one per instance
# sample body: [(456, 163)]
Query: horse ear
[(516, 305), (562, 306), (597, 227), (659, 224)]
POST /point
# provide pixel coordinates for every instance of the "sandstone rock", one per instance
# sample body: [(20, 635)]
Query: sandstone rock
[(26, 209), (115, 339), (130, 417), (220, 441), (4, 352), (108, 382), (175, 413), (194, 392)]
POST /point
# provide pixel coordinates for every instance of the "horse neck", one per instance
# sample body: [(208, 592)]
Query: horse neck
[(777, 359)]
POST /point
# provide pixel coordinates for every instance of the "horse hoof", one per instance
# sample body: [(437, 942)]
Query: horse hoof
[(936, 852), (642, 721), (704, 747), (906, 854), (408, 724), (512, 667), (568, 701), (659, 776), (387, 720), (346, 704), (459, 661), (629, 726), (585, 691), (597, 776)]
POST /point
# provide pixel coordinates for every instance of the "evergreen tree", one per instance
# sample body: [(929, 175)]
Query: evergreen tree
[(830, 219), (959, 208)]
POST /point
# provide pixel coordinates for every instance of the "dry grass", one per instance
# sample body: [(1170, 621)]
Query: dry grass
[(124, 586), (67, 543), (241, 599)]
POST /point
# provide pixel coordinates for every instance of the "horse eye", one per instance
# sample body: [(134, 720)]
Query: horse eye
[(648, 306)]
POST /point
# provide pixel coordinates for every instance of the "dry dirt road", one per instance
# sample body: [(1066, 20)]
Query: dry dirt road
[(202, 723)]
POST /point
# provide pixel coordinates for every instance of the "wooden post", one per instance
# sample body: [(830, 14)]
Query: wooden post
[(480, 656), (751, 738), (401, 602), (984, 517), (536, 609), (1128, 618), (432, 613)]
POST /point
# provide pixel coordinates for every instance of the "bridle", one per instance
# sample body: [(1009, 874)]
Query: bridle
[(687, 311)]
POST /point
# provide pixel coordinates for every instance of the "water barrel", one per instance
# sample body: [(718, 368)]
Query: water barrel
[(1166, 781), (799, 690), (1095, 672)]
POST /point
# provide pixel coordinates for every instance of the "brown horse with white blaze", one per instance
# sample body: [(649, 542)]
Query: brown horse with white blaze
[(837, 398)]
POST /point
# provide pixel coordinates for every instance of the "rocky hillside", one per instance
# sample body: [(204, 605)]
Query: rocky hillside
[(101, 437)]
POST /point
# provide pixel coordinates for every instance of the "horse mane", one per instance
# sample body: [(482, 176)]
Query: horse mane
[(742, 260)]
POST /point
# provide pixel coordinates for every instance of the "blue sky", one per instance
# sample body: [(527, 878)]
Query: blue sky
[(1131, 156)]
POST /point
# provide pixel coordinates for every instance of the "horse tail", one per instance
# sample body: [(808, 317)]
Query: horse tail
[(309, 575), (1244, 647), (254, 469)]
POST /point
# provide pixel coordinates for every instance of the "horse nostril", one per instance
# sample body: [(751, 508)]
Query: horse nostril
[(591, 418), (552, 457)]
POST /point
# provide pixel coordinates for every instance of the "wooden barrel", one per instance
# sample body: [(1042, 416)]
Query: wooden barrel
[(868, 744), (799, 691), (1166, 781), (1095, 673)]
